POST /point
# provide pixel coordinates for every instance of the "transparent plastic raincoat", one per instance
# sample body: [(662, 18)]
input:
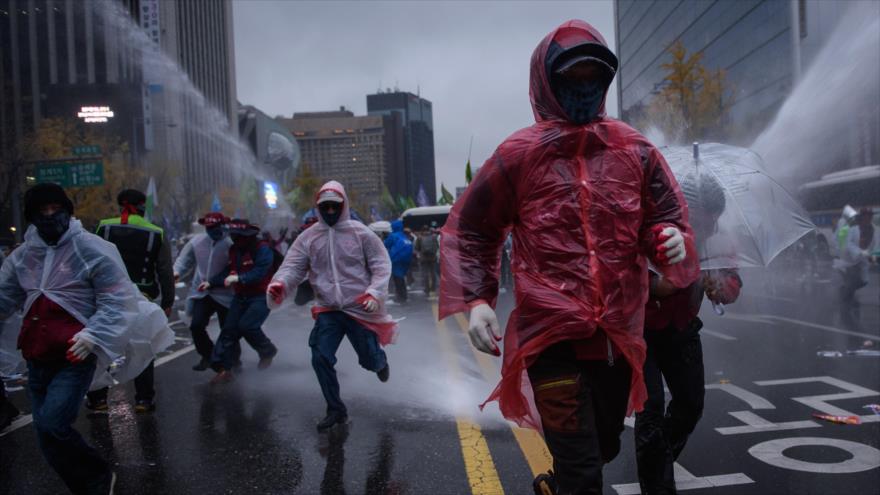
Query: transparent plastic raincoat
[(342, 263), (583, 203), (84, 274), (206, 258)]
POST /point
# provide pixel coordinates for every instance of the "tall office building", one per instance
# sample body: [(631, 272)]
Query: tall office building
[(364, 153), (418, 128), (763, 47), (199, 38), (766, 48), (57, 56)]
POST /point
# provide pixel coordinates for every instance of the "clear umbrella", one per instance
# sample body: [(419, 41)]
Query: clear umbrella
[(740, 215)]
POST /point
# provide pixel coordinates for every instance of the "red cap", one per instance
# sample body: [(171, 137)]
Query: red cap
[(213, 219)]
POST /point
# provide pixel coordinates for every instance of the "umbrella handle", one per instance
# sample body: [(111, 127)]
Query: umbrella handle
[(718, 307)]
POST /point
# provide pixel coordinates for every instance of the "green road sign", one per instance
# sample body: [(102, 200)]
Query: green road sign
[(71, 174), (85, 150)]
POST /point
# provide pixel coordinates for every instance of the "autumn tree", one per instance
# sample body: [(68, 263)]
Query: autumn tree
[(54, 139), (303, 188), (693, 101)]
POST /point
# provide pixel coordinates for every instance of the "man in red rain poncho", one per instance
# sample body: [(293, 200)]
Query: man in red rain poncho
[(348, 268), (589, 201)]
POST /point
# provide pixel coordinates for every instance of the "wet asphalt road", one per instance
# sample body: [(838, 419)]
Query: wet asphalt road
[(421, 433)]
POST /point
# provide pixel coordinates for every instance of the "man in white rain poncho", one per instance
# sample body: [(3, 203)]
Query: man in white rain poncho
[(348, 268), (81, 312), (206, 255)]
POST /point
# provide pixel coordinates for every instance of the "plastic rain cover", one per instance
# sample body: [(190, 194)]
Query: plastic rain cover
[(84, 274), (581, 201), (758, 218), (342, 263), (206, 258)]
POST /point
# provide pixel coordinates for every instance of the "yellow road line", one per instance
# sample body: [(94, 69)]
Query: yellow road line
[(478, 463), (530, 442)]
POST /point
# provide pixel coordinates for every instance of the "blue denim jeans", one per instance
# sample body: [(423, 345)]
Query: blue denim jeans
[(244, 319), (56, 391), (325, 340)]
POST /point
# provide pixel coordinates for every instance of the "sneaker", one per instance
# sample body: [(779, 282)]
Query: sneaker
[(202, 365), (98, 405), (265, 362), (8, 412), (144, 406), (384, 373), (331, 420), (222, 376), (545, 484)]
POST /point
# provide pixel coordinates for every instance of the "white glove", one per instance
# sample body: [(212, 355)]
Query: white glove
[(80, 347), (484, 330), (232, 279), (671, 246), (203, 287), (371, 305)]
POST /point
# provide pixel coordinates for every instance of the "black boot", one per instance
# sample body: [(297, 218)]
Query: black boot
[(266, 361), (332, 419), (384, 373), (98, 404), (545, 484), (8, 412)]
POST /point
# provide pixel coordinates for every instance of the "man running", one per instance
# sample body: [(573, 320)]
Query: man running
[(348, 268)]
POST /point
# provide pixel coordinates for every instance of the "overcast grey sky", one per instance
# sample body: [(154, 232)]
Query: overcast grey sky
[(471, 59)]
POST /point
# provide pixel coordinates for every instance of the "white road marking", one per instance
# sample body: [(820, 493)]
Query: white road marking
[(757, 424), (174, 355), (28, 419), (18, 423), (754, 401), (864, 457), (722, 336), (685, 480), (772, 319), (819, 402), (751, 318), (827, 328)]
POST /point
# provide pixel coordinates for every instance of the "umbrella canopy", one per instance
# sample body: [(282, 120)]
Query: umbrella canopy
[(740, 215)]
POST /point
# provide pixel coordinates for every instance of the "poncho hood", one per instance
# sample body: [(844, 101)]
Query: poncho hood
[(345, 216), (570, 34)]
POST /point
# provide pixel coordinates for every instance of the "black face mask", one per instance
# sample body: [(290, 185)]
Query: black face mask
[(331, 218), (53, 226), (580, 100), (215, 233)]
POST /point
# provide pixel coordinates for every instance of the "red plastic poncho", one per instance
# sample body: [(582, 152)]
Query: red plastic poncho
[(581, 201)]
